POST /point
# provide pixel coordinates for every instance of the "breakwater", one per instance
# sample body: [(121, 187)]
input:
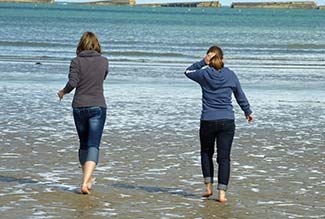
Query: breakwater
[(275, 5), (113, 2), (215, 4), (193, 4)]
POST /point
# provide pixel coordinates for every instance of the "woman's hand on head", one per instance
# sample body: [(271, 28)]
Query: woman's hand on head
[(250, 118), (60, 94), (208, 57)]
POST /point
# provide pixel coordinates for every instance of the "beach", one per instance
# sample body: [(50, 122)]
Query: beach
[(150, 153)]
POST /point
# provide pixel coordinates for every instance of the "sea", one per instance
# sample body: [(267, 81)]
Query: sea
[(150, 153)]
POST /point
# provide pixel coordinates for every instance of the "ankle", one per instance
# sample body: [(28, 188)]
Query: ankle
[(208, 185), (222, 196)]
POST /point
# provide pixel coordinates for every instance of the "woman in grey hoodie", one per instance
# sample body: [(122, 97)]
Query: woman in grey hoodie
[(218, 83), (87, 73)]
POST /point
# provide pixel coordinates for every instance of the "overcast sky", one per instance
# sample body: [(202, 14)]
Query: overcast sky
[(223, 2)]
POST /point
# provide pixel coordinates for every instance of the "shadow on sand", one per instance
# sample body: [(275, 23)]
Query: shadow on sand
[(156, 189)]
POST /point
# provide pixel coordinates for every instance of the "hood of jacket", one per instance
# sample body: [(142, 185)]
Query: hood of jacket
[(88, 53), (215, 79)]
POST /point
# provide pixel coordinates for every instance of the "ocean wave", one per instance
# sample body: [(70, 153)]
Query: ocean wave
[(34, 44), (205, 45), (34, 59), (144, 53), (185, 47), (155, 60), (306, 46)]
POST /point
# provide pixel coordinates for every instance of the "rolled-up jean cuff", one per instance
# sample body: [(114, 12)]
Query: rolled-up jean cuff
[(222, 187), (92, 154), (208, 180), (82, 156)]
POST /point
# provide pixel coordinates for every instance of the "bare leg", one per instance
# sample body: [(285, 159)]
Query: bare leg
[(88, 170), (222, 196), (209, 190), (91, 180)]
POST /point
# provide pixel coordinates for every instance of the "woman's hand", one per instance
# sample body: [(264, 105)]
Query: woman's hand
[(208, 57), (60, 94), (250, 118)]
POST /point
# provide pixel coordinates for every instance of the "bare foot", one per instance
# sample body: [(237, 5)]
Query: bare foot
[(207, 194), (91, 182), (84, 189), (222, 196), (209, 191)]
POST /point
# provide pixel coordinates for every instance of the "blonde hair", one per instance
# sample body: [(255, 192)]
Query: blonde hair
[(217, 60), (88, 41)]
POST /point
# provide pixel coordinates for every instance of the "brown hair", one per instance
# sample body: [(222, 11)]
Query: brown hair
[(88, 41), (217, 60)]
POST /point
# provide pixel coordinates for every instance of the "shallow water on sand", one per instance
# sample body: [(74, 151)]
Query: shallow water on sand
[(150, 160), (149, 164)]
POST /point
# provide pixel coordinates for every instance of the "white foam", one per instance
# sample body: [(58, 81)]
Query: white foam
[(269, 202), (248, 167), (125, 196), (256, 155), (116, 179)]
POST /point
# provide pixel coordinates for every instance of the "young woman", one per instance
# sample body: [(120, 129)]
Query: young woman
[(218, 83), (87, 72)]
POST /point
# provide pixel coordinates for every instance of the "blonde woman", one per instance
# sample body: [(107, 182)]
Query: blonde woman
[(218, 83), (87, 73)]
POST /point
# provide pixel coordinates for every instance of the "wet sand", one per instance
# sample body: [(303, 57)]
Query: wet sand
[(150, 162)]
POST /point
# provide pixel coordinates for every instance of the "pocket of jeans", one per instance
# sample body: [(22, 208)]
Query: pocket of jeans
[(206, 125), (229, 125), (95, 111), (76, 110)]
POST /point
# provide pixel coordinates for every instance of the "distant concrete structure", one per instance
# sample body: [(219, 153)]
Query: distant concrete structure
[(178, 4), (321, 7), (123, 2), (275, 5), (113, 2), (215, 4)]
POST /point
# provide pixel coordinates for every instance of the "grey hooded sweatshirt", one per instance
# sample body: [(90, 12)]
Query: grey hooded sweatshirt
[(87, 73)]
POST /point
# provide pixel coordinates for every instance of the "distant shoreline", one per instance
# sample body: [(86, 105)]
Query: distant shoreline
[(208, 4), (276, 5), (197, 4)]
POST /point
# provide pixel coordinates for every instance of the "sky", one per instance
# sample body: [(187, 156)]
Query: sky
[(223, 2)]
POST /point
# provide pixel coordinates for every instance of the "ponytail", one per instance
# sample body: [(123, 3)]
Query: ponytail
[(217, 60)]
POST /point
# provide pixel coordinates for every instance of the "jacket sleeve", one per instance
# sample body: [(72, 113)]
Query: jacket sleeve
[(194, 72), (73, 76), (241, 98), (106, 72)]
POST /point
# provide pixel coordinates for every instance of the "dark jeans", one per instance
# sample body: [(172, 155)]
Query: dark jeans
[(222, 132), (90, 123)]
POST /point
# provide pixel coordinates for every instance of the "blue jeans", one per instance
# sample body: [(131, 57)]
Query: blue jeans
[(222, 132), (90, 123)]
